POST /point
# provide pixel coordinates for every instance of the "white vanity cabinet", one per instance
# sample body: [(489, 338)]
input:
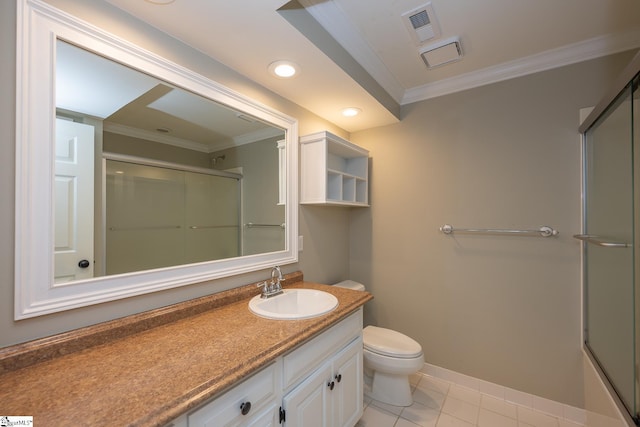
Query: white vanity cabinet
[(333, 171), (319, 383), (332, 395), (347, 400), (323, 378), (254, 402)]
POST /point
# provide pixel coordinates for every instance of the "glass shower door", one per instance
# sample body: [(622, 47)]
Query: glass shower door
[(609, 252)]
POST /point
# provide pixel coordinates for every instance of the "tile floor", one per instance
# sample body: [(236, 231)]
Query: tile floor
[(437, 403)]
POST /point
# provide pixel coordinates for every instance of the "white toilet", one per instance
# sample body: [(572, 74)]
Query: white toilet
[(389, 359)]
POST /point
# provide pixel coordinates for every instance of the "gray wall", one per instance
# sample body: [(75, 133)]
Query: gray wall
[(507, 155)]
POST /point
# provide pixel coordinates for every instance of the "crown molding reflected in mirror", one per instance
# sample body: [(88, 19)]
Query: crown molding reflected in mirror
[(40, 26)]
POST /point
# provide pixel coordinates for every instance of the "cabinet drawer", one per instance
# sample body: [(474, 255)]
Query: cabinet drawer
[(225, 410), (301, 361)]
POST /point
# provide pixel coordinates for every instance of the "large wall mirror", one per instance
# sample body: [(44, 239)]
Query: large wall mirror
[(135, 174)]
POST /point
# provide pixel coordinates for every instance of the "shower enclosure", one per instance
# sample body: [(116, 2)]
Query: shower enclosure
[(611, 155), (159, 216)]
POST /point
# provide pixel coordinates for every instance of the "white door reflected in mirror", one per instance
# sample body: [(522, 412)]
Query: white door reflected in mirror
[(73, 201)]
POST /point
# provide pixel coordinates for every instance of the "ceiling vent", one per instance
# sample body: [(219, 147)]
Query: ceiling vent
[(443, 53), (421, 23)]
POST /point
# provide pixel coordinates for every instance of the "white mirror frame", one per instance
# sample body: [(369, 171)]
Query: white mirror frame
[(39, 26)]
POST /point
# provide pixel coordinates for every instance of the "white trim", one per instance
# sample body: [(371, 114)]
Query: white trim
[(39, 26), (155, 137), (247, 138), (555, 58), (258, 135)]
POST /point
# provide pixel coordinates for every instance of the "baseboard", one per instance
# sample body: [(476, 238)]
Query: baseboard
[(533, 402)]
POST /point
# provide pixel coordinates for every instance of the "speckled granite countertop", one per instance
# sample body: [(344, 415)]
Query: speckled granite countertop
[(147, 369)]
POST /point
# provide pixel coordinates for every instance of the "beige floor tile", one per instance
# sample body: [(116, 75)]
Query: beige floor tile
[(438, 403), (405, 423), (460, 409), (492, 419), (465, 394), (421, 415), (429, 397), (535, 418), (499, 406), (434, 384), (449, 421), (376, 417)]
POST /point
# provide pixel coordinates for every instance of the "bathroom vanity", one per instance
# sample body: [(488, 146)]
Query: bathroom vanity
[(322, 379), (196, 363)]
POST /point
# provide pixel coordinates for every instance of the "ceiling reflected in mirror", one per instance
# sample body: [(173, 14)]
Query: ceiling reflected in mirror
[(132, 102)]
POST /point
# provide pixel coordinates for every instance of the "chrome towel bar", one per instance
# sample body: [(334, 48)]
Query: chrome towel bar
[(254, 225), (201, 227), (541, 232), (145, 228), (601, 241)]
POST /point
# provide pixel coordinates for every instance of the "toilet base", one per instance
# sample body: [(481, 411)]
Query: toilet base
[(390, 389)]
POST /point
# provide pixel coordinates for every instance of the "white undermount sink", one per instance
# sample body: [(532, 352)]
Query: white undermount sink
[(294, 304)]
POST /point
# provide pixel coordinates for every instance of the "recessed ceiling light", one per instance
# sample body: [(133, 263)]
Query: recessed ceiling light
[(351, 111), (160, 2), (284, 69)]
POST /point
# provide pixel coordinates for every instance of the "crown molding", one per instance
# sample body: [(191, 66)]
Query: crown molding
[(258, 135), (153, 136), (247, 138), (554, 58)]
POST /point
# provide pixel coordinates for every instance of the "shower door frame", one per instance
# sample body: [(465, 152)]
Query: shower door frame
[(631, 72)]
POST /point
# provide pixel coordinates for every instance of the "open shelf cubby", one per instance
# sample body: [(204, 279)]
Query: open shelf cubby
[(333, 171)]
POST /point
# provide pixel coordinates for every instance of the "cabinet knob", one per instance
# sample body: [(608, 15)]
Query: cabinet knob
[(331, 385), (245, 407), (84, 263), (339, 377)]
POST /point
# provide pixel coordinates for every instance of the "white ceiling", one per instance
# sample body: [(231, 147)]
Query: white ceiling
[(375, 64)]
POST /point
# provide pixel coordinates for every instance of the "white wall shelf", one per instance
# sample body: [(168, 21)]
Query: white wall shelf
[(334, 171)]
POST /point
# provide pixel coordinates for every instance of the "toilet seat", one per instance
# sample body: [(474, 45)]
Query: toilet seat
[(390, 343)]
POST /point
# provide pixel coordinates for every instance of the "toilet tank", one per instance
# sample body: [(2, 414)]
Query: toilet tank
[(350, 284)]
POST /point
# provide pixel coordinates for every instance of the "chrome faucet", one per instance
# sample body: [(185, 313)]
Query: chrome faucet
[(275, 280), (273, 288)]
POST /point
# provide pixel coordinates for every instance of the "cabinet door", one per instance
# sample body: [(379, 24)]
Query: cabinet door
[(307, 405), (347, 393), (227, 410), (267, 418)]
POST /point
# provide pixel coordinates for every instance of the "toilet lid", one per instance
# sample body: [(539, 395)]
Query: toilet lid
[(390, 343)]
